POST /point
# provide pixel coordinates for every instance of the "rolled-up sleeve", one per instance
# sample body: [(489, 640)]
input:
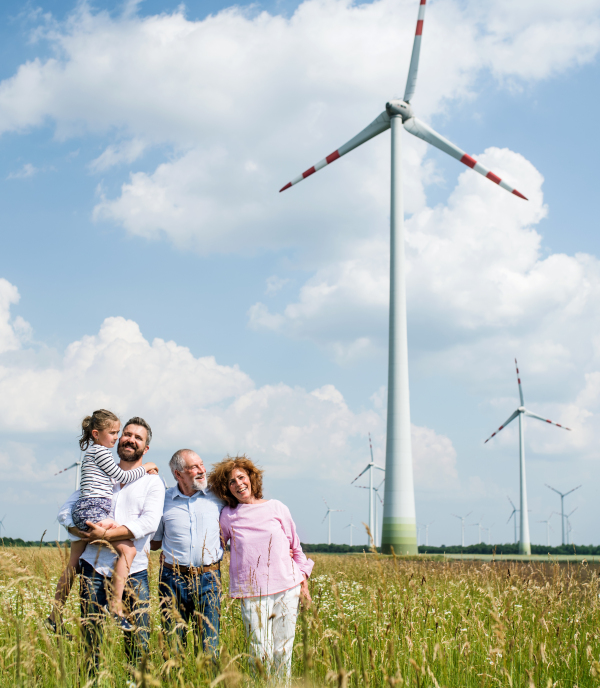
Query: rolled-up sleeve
[(64, 515), (149, 519)]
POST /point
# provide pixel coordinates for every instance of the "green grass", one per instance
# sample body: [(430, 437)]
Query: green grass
[(375, 621)]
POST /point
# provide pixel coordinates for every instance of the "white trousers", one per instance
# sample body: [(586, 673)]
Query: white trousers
[(270, 623)]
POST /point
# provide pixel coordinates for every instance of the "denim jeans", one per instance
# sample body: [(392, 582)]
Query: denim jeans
[(95, 590), (195, 600)]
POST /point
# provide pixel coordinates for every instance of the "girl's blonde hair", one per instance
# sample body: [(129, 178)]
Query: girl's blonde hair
[(99, 420)]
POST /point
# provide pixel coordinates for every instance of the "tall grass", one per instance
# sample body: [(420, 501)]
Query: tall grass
[(375, 621)]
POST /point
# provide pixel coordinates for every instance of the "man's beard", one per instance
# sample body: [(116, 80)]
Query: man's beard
[(200, 483), (130, 458)]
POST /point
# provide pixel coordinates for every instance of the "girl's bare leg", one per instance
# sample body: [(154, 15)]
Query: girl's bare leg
[(63, 587), (126, 550)]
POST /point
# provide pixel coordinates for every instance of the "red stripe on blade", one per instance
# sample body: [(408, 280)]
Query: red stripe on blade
[(492, 177), (308, 172), (549, 421), (419, 27), (468, 161), (287, 186), (334, 156), (520, 195), (423, 2)]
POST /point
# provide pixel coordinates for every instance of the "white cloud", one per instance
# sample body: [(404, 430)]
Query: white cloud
[(13, 331), (243, 113), (121, 153), (192, 401), (28, 170)]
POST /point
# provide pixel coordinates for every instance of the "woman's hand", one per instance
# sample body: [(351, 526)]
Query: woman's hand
[(305, 597)]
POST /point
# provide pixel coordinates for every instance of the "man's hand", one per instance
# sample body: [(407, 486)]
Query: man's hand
[(79, 533), (305, 597), (98, 532), (151, 468)]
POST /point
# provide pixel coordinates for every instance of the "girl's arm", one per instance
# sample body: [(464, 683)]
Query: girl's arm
[(106, 463)]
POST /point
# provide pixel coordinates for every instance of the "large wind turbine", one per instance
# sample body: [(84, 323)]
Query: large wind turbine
[(524, 541), (399, 516)]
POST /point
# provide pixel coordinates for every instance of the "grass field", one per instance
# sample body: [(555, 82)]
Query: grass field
[(375, 621)]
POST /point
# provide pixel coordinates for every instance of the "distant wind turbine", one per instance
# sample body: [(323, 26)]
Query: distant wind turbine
[(479, 527), (462, 526), (524, 540), (399, 516), (76, 465), (426, 526), (547, 522), (328, 514), (569, 529), (351, 526), (2, 525), (513, 515), (371, 466), (375, 532), (562, 506)]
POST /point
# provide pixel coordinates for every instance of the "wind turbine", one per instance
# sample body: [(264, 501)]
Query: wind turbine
[(375, 532), (462, 527), (567, 516), (329, 512), (524, 541), (370, 467), (562, 506), (2, 525), (399, 516), (547, 522), (513, 514), (351, 526), (76, 465), (479, 527), (489, 530), (426, 526)]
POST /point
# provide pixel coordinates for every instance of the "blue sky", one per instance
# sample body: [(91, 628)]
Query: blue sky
[(142, 147)]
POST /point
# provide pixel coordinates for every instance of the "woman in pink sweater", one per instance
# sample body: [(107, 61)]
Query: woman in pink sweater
[(269, 581)]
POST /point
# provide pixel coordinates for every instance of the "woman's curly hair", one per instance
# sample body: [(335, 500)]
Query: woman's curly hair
[(218, 478)]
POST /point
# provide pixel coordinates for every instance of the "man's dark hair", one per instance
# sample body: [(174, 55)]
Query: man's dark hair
[(136, 420)]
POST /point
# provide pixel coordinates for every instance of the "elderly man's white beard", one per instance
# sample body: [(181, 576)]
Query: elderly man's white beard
[(200, 484)]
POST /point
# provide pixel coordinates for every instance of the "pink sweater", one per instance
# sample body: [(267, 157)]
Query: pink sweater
[(261, 537)]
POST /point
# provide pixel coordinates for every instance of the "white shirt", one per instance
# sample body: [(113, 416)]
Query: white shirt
[(139, 507)]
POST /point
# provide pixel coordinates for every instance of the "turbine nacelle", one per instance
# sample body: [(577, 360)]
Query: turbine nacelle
[(399, 107)]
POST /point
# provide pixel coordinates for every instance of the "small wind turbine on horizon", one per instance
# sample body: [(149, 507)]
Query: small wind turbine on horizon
[(547, 522), (76, 465), (562, 507), (479, 527), (351, 526), (426, 526), (328, 514), (462, 527), (524, 540), (399, 516), (371, 466), (375, 532), (569, 529), (513, 515), (2, 526)]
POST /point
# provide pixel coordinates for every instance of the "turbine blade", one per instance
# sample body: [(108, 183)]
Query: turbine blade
[(358, 476), (558, 425), (379, 468), (411, 80), (422, 131), (506, 422), (519, 381), (66, 469), (376, 127)]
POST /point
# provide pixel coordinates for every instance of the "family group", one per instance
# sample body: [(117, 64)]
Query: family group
[(122, 511)]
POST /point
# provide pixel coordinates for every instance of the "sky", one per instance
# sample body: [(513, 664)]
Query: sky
[(150, 266)]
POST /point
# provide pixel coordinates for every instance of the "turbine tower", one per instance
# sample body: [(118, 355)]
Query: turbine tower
[(371, 466), (524, 541), (351, 526), (462, 527), (562, 506), (399, 516), (480, 528), (328, 514), (426, 526)]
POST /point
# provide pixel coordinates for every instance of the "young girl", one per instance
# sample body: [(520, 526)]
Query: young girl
[(98, 471)]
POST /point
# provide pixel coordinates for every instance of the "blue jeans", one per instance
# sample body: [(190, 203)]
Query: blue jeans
[(197, 600), (94, 593)]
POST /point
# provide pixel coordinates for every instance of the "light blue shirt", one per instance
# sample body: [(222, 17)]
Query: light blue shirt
[(189, 528)]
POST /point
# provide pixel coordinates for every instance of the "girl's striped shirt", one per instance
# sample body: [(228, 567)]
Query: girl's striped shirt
[(98, 470)]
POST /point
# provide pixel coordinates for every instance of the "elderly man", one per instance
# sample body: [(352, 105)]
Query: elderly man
[(189, 534), (137, 508)]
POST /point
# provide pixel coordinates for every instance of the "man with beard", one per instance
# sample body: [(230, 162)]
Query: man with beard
[(190, 537), (137, 508)]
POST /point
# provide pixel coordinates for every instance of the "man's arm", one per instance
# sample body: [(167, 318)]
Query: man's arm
[(148, 521), (97, 532), (155, 545)]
